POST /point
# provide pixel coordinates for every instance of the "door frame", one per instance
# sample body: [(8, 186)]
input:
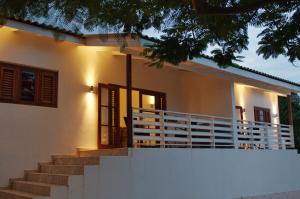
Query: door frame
[(156, 94)]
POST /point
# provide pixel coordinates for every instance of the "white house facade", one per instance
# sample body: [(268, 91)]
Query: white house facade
[(189, 131)]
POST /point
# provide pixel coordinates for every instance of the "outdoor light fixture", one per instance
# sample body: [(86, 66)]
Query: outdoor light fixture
[(91, 89)]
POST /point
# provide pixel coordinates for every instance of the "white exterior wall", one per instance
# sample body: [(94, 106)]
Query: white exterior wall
[(194, 174), (30, 134), (249, 97), (206, 95)]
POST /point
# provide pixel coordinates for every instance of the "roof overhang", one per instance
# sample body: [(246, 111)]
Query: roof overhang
[(206, 67), (134, 45)]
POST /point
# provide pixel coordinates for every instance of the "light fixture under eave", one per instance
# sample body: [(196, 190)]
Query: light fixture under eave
[(91, 89)]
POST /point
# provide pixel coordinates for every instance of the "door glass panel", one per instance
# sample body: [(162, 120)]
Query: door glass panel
[(148, 101), (104, 135), (123, 104), (104, 115), (104, 97)]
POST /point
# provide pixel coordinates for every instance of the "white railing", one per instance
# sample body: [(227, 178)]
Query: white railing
[(157, 128), (258, 135)]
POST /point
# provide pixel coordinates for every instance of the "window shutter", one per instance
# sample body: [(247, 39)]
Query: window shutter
[(267, 116), (256, 115), (8, 83), (48, 90)]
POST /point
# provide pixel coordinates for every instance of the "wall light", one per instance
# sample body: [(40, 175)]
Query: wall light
[(91, 89)]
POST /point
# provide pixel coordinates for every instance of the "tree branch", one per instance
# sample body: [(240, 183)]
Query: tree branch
[(203, 8)]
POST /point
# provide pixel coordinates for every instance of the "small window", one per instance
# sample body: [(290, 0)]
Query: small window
[(26, 85), (262, 114)]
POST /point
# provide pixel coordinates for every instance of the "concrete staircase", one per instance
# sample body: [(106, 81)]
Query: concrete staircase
[(52, 180)]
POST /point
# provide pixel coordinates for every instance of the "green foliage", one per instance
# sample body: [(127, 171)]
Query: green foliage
[(296, 116), (185, 34)]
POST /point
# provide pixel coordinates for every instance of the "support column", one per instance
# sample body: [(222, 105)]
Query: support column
[(129, 99), (290, 118), (234, 118), (290, 111)]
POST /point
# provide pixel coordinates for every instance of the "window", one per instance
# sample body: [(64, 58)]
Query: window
[(26, 85), (262, 114)]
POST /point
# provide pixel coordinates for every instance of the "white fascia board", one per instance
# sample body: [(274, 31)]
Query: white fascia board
[(111, 40), (42, 31), (247, 74)]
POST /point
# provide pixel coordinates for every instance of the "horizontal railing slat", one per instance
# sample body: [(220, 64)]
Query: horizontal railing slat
[(169, 128)]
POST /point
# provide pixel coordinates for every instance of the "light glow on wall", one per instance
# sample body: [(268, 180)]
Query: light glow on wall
[(249, 96), (240, 99)]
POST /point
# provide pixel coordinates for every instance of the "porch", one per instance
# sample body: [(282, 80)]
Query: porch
[(137, 115), (169, 129)]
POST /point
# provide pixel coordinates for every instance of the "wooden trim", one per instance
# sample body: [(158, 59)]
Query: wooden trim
[(129, 100), (267, 114), (118, 87), (241, 111), (39, 72)]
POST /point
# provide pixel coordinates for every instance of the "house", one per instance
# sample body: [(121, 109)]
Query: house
[(189, 131)]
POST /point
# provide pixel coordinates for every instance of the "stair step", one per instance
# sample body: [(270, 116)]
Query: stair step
[(103, 152), (55, 179), (71, 160), (13, 194), (37, 188), (61, 169)]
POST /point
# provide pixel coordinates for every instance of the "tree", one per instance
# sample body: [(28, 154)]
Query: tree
[(185, 34), (296, 115)]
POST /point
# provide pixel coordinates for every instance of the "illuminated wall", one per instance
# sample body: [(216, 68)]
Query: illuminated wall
[(31, 134), (248, 97)]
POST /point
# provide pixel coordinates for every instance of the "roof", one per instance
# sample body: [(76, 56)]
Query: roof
[(267, 75), (53, 23), (47, 25)]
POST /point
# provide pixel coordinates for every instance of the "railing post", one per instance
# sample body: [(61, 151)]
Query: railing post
[(190, 130), (268, 136), (129, 100), (252, 135), (162, 129), (234, 118), (212, 125), (292, 136), (280, 144)]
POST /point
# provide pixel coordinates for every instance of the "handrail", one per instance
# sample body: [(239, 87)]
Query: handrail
[(183, 113)]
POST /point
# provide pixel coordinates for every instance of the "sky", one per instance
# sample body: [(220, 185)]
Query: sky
[(279, 67)]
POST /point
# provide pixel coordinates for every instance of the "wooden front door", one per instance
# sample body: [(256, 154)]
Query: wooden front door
[(109, 125), (112, 131)]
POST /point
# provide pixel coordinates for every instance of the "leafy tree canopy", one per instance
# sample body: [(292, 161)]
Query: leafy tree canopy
[(187, 27)]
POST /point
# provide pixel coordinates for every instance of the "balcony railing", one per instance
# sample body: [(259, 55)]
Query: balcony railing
[(158, 128), (258, 135)]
